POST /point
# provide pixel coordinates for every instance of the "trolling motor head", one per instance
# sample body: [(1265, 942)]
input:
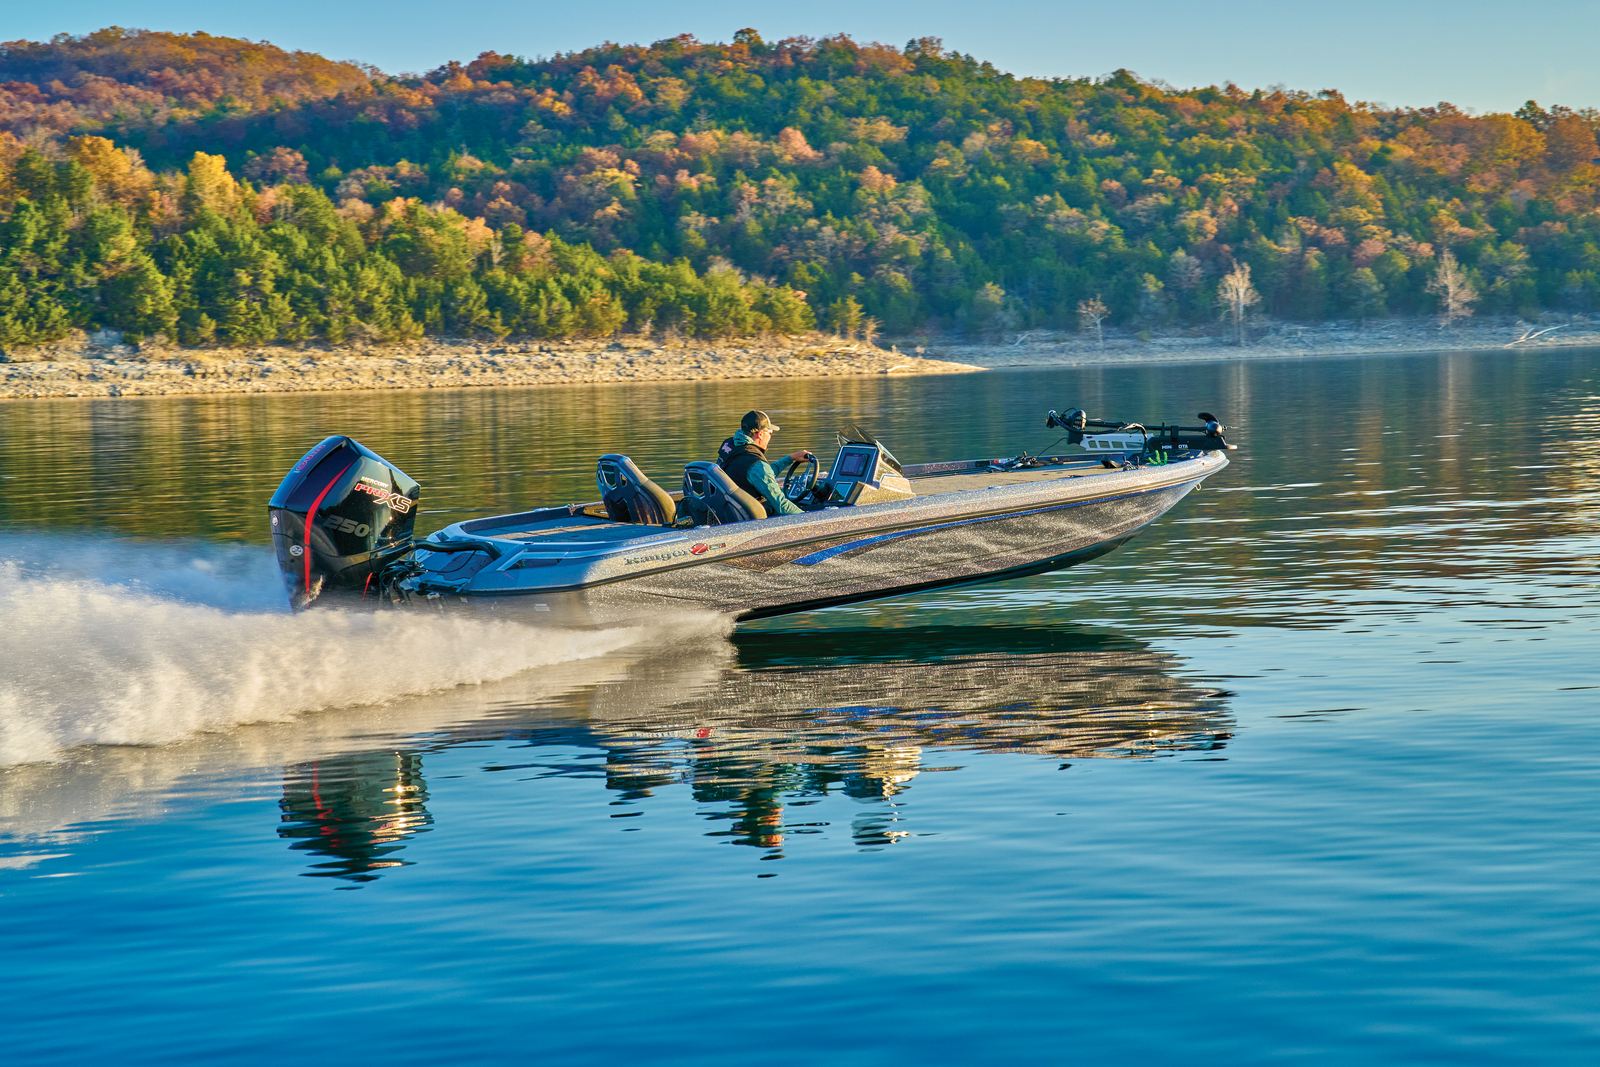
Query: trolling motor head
[(342, 514), (1073, 422), (1207, 438)]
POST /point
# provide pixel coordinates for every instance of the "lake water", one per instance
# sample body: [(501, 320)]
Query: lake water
[(1309, 771)]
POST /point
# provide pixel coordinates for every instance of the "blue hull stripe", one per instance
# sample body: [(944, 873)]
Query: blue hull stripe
[(850, 546)]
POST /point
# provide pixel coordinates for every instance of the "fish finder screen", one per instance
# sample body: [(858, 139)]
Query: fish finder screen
[(853, 464)]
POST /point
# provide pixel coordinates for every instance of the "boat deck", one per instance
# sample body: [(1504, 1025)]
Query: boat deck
[(587, 523), (958, 481), (580, 527)]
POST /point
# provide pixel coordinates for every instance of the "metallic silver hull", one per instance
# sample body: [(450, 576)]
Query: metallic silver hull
[(821, 559)]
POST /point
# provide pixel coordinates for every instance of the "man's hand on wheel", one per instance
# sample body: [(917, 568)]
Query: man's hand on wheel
[(801, 455)]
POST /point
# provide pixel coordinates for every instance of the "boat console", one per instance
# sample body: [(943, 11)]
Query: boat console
[(863, 474)]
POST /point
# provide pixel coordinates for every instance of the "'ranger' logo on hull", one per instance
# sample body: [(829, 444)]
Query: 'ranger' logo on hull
[(677, 553)]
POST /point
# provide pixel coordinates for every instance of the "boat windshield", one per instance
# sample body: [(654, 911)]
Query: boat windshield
[(853, 434)]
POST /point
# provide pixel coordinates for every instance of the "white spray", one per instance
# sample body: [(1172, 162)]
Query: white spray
[(200, 640)]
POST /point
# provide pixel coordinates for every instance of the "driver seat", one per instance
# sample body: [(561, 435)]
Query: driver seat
[(714, 499), (631, 497)]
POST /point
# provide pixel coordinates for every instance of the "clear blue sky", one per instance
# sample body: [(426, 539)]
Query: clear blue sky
[(1489, 56)]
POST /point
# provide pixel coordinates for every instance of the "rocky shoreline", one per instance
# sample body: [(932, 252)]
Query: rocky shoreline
[(85, 369), (99, 367)]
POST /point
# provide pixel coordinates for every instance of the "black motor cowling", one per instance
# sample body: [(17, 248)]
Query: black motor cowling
[(342, 514)]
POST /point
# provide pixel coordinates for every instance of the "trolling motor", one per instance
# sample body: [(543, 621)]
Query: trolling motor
[(1163, 438), (342, 516)]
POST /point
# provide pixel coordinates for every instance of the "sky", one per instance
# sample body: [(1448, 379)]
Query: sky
[(1477, 54)]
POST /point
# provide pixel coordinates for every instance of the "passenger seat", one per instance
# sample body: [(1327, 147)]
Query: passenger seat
[(631, 497), (714, 499)]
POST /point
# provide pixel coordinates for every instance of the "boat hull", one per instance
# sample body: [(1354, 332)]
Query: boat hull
[(849, 555), (859, 568)]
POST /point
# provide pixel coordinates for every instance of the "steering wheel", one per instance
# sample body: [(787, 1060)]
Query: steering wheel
[(800, 479)]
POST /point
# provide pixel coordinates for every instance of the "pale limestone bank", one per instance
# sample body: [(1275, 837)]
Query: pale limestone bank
[(83, 369), (1279, 341)]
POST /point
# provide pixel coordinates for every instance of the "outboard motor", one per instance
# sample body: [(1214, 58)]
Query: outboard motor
[(341, 516)]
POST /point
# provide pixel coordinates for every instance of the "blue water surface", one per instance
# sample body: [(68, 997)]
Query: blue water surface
[(1310, 771)]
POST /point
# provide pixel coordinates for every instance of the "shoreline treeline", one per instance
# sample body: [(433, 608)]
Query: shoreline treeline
[(214, 189), (98, 242)]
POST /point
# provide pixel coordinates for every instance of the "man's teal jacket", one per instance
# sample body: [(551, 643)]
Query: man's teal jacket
[(765, 480)]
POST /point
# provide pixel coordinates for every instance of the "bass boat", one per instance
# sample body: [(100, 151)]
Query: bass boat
[(342, 524)]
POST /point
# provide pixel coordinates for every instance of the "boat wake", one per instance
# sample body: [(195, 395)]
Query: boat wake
[(113, 642)]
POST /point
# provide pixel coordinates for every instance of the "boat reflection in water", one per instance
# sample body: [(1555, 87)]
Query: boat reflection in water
[(355, 810), (762, 726)]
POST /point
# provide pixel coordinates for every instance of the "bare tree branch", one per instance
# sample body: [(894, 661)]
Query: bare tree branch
[(1091, 313), (1529, 335), (1456, 294), (1235, 294)]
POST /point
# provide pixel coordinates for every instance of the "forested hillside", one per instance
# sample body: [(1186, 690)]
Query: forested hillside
[(216, 190)]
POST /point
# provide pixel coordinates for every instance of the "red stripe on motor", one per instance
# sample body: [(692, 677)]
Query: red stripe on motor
[(311, 518)]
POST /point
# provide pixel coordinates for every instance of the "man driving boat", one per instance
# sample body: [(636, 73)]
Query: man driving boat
[(744, 457)]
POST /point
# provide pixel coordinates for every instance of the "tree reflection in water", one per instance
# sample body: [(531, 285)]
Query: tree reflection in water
[(762, 727)]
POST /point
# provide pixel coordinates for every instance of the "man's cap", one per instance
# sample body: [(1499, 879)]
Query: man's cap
[(757, 420)]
